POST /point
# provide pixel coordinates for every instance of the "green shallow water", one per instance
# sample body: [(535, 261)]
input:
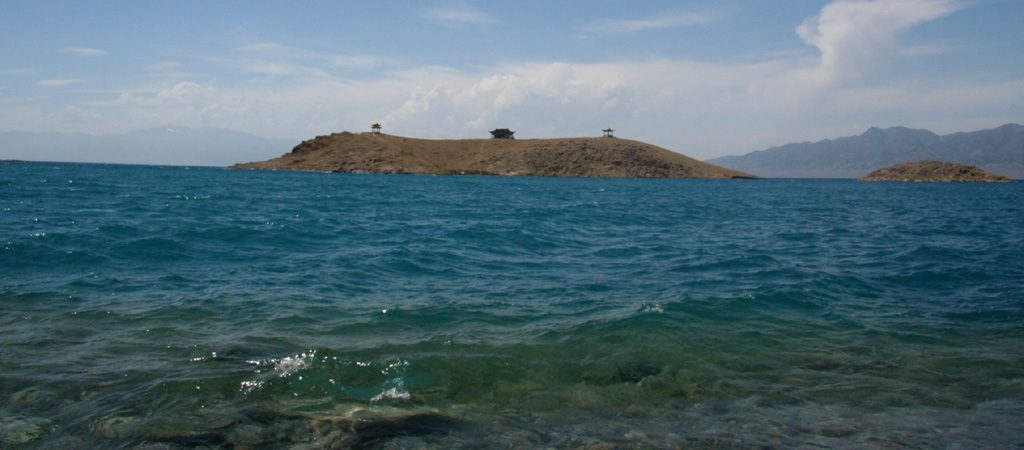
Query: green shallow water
[(169, 307)]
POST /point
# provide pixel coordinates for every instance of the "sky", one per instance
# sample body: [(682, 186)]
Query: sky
[(702, 78)]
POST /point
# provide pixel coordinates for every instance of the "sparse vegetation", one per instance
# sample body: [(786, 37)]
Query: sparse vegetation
[(566, 157)]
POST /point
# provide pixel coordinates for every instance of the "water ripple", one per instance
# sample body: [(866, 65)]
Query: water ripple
[(152, 305)]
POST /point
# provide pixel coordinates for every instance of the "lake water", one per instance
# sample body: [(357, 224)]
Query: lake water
[(172, 307)]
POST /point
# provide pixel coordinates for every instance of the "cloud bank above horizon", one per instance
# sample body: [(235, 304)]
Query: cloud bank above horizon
[(714, 79)]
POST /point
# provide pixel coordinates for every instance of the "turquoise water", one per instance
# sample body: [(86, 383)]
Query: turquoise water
[(171, 307)]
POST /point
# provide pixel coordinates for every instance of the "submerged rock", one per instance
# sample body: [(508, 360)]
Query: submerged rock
[(259, 428), (636, 371), (18, 430), (370, 432), (631, 372), (934, 171)]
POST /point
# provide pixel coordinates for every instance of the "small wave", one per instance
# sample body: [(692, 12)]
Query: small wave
[(790, 306), (396, 392)]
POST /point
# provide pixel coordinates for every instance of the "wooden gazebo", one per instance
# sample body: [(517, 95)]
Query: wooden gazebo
[(608, 132), (502, 133), (375, 128)]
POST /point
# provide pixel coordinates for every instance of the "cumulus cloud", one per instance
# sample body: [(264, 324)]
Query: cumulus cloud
[(693, 107), (83, 51), (557, 99), (687, 106), (857, 37), (461, 103), (458, 14)]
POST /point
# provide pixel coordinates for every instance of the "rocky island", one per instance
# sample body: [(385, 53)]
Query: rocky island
[(605, 157), (934, 171)]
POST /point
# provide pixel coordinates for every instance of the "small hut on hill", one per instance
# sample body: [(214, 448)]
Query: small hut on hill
[(502, 133)]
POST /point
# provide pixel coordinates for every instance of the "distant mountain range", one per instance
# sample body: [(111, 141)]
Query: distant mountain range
[(159, 146), (999, 150)]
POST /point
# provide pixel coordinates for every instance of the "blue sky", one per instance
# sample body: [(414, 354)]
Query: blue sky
[(701, 78)]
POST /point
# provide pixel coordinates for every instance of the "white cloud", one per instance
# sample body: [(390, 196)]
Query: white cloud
[(857, 37), (458, 14), (132, 99), (280, 69), (83, 51), (937, 96), (74, 115), (559, 99), (688, 106), (164, 65), (185, 92), (661, 20), (17, 72), (59, 82), (280, 60)]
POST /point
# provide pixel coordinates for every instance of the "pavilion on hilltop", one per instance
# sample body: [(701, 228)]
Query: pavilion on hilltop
[(502, 133)]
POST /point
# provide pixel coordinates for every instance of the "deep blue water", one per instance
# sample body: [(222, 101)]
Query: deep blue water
[(171, 307)]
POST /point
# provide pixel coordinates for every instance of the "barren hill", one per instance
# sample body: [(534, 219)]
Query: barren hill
[(935, 171), (568, 157)]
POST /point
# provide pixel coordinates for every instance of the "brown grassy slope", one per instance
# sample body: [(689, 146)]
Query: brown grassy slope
[(936, 172), (567, 157)]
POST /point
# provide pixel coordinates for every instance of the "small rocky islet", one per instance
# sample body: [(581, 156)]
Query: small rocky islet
[(596, 157), (935, 171)]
